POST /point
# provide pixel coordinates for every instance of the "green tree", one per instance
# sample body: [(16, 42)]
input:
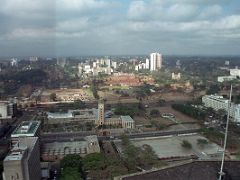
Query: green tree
[(161, 102), (53, 96), (78, 104), (154, 113), (94, 161), (148, 156), (72, 167), (70, 173), (202, 142), (186, 144)]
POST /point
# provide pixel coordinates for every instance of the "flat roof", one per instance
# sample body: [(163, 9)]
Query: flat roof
[(170, 146), (26, 128), (57, 115), (127, 119)]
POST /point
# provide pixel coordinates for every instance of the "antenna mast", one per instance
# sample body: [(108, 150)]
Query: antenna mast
[(221, 173)]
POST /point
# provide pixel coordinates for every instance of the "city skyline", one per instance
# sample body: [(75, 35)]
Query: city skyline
[(100, 27)]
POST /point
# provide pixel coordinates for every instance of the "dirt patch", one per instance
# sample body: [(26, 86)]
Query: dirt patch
[(179, 116)]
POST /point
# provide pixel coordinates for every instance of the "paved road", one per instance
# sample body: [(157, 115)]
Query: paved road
[(51, 137)]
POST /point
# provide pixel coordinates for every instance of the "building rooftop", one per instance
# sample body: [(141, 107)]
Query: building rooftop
[(170, 147), (126, 119), (16, 154), (57, 115), (197, 170), (26, 128), (23, 145)]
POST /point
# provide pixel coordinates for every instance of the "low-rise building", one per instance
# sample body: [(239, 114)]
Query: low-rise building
[(176, 76), (226, 78), (218, 102), (57, 150), (26, 129), (235, 72), (7, 109), (127, 122)]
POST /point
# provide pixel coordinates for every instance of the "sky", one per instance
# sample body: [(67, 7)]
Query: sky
[(119, 27)]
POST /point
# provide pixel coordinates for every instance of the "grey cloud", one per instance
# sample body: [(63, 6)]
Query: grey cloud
[(75, 27)]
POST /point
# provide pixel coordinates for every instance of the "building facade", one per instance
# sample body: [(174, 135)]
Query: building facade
[(155, 61), (23, 161), (7, 109), (218, 102)]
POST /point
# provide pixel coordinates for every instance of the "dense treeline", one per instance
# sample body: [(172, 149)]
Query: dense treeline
[(12, 82), (189, 110), (94, 88), (124, 110), (33, 76)]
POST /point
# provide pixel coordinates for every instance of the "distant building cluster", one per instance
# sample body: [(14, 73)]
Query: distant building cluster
[(218, 102), (106, 66), (152, 64), (123, 79)]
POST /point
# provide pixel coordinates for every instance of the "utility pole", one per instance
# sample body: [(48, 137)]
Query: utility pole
[(221, 173)]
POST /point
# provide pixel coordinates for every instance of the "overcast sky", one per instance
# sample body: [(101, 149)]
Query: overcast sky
[(111, 27)]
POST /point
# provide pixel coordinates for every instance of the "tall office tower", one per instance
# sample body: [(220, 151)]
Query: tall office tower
[(61, 62), (155, 61), (101, 112), (23, 161), (147, 63), (114, 64), (108, 62)]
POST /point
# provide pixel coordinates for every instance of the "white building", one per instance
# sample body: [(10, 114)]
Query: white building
[(80, 69), (33, 59), (235, 72), (108, 63), (87, 68), (155, 61), (61, 62), (114, 64), (7, 109), (226, 78), (136, 67), (127, 122), (218, 102), (94, 64), (14, 62), (147, 63), (176, 76)]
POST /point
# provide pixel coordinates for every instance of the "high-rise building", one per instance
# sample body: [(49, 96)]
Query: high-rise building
[(114, 64), (61, 62), (155, 61), (23, 161), (108, 62), (147, 63)]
